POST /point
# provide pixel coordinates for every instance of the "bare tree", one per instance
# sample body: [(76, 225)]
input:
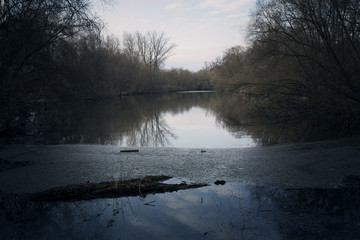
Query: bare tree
[(323, 36), (130, 46), (160, 49), (151, 48), (303, 62)]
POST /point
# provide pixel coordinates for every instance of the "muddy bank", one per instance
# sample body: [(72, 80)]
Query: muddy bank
[(318, 164)]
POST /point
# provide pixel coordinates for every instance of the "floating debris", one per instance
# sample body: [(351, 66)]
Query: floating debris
[(219, 182), (129, 150)]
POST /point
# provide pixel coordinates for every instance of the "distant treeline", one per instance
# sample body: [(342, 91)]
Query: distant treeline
[(55, 51), (303, 62)]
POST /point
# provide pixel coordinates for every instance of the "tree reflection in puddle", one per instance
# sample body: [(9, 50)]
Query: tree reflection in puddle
[(230, 211)]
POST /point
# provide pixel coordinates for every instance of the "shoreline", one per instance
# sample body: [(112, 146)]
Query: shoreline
[(35, 168)]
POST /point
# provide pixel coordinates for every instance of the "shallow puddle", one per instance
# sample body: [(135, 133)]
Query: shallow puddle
[(230, 211)]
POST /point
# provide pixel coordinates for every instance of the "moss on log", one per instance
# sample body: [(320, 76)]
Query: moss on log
[(112, 189)]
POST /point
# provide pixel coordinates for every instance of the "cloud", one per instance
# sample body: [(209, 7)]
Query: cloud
[(214, 12), (223, 5), (238, 15), (175, 4), (145, 21)]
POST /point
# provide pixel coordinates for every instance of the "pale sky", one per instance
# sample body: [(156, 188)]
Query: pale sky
[(202, 29)]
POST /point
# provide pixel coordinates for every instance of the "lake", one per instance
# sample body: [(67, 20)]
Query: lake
[(276, 185), (194, 127), (184, 120)]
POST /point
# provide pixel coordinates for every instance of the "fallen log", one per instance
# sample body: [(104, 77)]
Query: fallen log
[(129, 150), (112, 189)]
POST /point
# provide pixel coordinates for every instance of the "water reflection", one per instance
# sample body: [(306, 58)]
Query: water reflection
[(200, 128), (153, 131), (138, 121), (232, 211), (149, 121), (134, 120)]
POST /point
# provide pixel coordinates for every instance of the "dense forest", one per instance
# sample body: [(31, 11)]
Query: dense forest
[(55, 51), (302, 64)]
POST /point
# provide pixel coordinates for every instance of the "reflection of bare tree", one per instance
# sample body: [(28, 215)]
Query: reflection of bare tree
[(129, 121), (154, 131)]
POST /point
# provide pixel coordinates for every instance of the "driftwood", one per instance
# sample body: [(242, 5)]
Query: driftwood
[(114, 189), (129, 150)]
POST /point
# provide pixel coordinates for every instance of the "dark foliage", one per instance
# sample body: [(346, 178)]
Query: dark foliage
[(53, 52), (303, 63)]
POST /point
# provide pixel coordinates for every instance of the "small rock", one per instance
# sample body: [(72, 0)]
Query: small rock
[(219, 182)]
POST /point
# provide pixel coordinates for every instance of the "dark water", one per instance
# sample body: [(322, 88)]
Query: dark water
[(189, 122), (190, 119), (231, 211), (186, 120)]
